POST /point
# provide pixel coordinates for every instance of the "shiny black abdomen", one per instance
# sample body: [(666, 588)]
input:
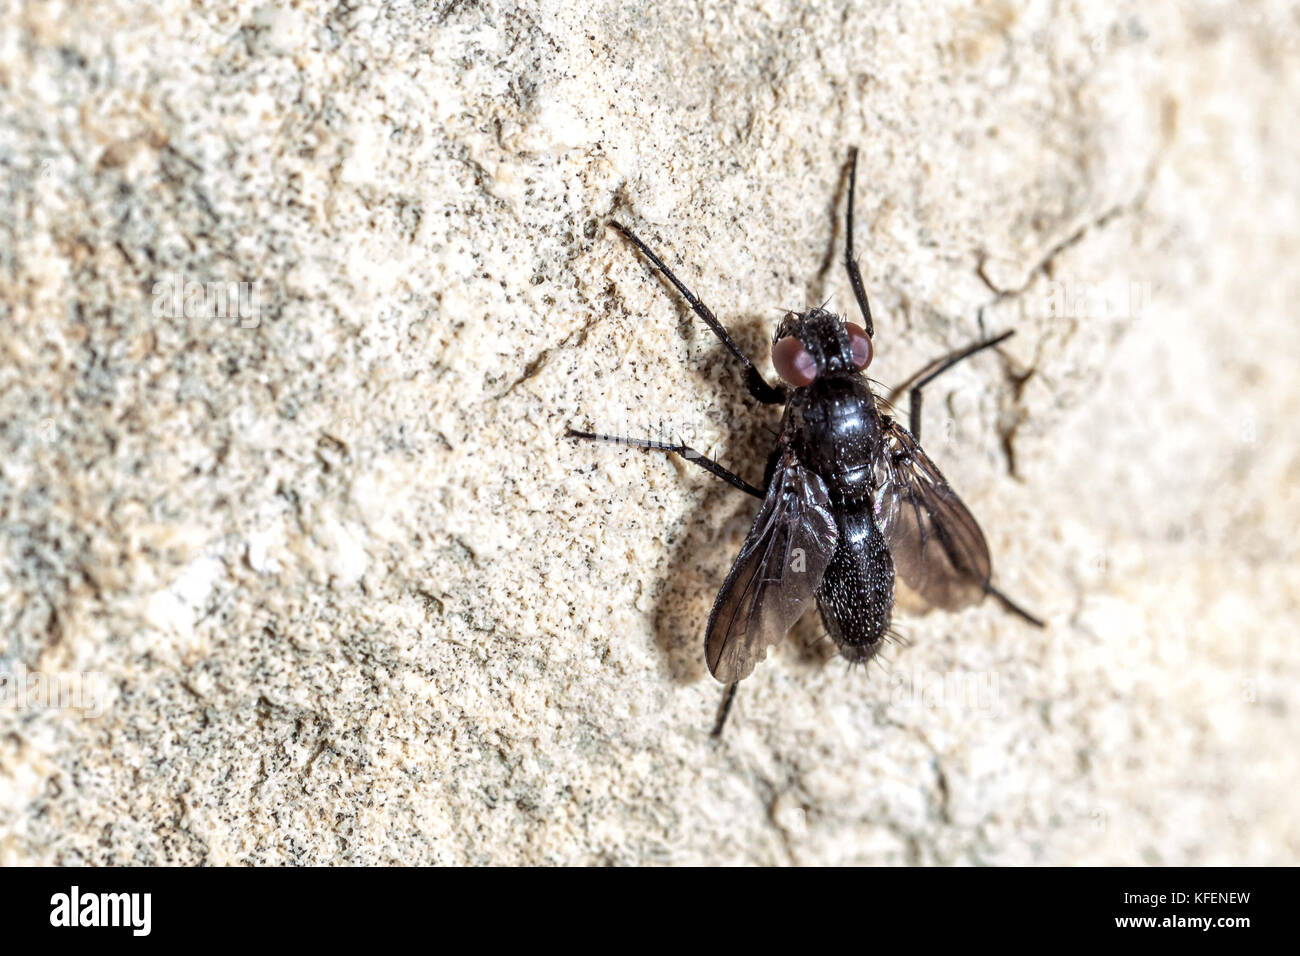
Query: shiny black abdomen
[(856, 596), (835, 428)]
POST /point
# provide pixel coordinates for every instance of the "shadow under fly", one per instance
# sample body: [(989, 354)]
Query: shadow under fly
[(849, 499)]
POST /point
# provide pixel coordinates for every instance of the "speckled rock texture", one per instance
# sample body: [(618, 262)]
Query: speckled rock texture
[(298, 566)]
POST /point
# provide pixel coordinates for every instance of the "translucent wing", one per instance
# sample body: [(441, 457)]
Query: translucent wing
[(776, 573), (937, 546)]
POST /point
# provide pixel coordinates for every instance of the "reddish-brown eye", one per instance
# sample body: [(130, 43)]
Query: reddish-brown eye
[(793, 363), (860, 343)]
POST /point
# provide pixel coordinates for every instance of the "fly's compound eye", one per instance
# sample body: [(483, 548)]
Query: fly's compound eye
[(860, 342), (793, 362)]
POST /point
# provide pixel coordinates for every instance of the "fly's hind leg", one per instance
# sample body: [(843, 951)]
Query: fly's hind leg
[(1012, 606), (728, 698)]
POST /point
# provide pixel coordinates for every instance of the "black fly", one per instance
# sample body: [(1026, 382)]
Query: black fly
[(849, 498)]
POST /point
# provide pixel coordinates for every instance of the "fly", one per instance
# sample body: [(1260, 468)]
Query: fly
[(849, 499)]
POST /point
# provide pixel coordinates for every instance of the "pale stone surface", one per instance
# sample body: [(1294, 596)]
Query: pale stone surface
[(344, 593)]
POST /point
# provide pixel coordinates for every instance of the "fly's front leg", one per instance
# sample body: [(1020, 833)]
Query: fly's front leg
[(684, 451), (935, 368), (855, 277), (757, 386), (914, 383)]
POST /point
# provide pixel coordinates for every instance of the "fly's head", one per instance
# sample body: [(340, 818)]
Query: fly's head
[(816, 344)]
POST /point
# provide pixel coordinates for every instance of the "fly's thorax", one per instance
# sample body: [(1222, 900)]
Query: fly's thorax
[(834, 426)]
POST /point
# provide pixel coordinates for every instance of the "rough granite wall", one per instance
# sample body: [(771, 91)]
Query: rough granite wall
[(303, 569)]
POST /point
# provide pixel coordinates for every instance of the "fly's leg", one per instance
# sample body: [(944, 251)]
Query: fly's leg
[(855, 277), (684, 451), (914, 383), (713, 468), (1012, 606), (728, 697), (758, 388), (934, 369)]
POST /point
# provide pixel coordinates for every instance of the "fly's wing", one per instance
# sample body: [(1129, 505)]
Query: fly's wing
[(779, 567), (937, 546)]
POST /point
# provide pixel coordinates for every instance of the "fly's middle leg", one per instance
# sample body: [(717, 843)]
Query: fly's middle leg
[(683, 451), (917, 381)]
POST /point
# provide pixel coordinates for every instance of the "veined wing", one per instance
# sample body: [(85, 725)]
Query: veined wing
[(937, 546), (779, 568)]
